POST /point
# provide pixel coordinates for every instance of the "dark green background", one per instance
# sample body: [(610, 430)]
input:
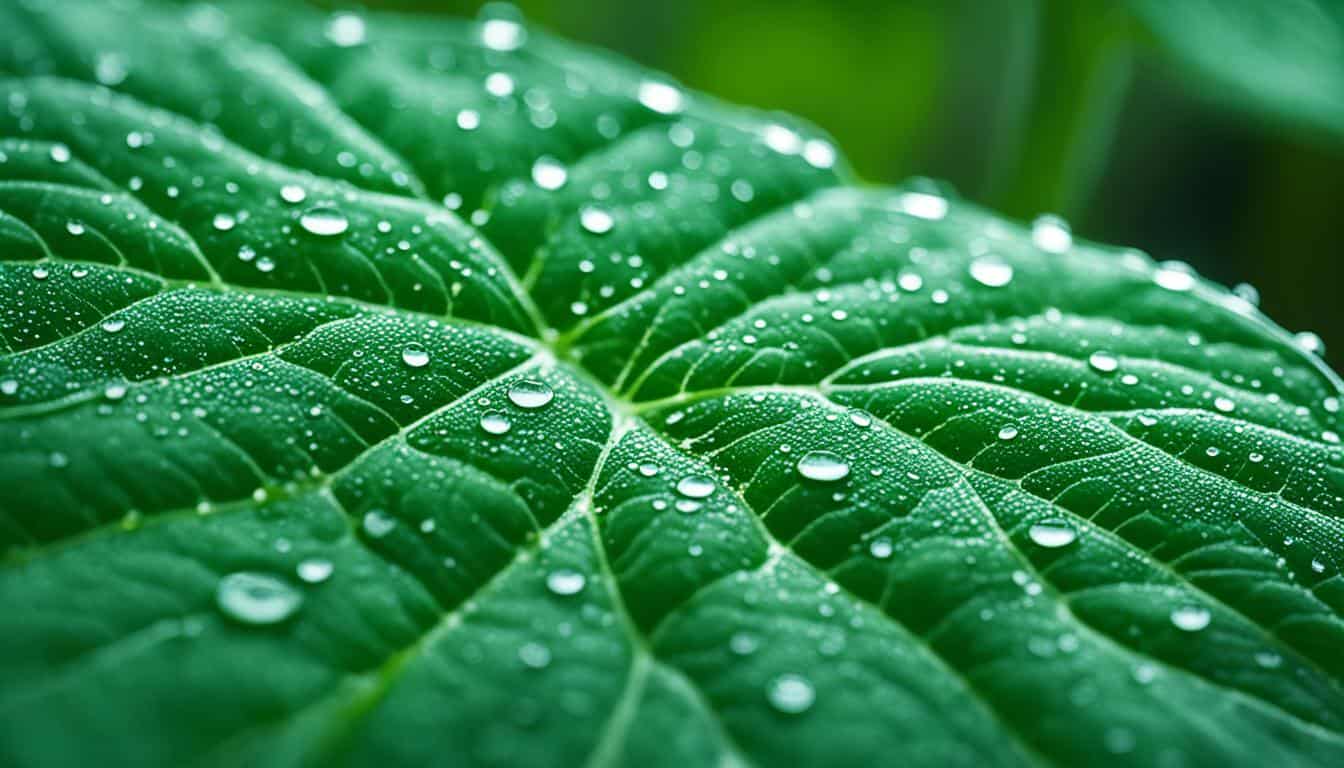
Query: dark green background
[(991, 96)]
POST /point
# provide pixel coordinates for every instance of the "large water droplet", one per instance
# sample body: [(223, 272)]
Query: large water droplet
[(113, 324), (596, 220), (224, 222), (1051, 233), (565, 581), (548, 173), (503, 34), (315, 570), (1174, 278), (823, 466), (415, 355), (661, 97), (1191, 618), (923, 205), (881, 548), (256, 598), (1103, 362), (495, 422), (345, 30), (530, 393), (1052, 533), (324, 221), (791, 694), (991, 272), (293, 194), (695, 486)]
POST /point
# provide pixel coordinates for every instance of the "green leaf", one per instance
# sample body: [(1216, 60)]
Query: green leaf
[(390, 390), (1283, 60)]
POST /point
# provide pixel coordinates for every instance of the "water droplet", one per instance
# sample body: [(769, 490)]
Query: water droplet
[(324, 221), (415, 355), (1007, 432), (923, 205), (881, 548), (1174, 278), (1317, 566), (910, 282), (565, 582), (823, 466), (743, 643), (1225, 405), (791, 694), (548, 173), (60, 153), (1191, 618), (991, 272), (315, 570), (113, 324), (534, 655), (224, 222), (1051, 234), (695, 486), (495, 422), (661, 97), (293, 194), (1309, 342), (74, 227), (378, 524), (1103, 362), (9, 387), (596, 220), (530, 393), (503, 34), (256, 598), (345, 30), (1052, 533), (860, 418), (40, 273), (648, 468)]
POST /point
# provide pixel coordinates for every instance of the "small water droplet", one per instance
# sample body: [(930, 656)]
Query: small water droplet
[(534, 655), (661, 97), (1224, 404), (548, 173), (530, 393), (791, 694), (113, 324), (1052, 533), (224, 222), (60, 153), (345, 30), (503, 34), (74, 228), (1051, 233), (923, 205), (696, 486), (565, 581), (293, 194), (860, 418), (378, 524), (596, 220), (495, 422), (1174, 278), (1191, 618), (648, 468), (415, 355), (1103, 362), (256, 598), (881, 548), (324, 221), (823, 466), (1007, 432), (743, 643), (315, 570)]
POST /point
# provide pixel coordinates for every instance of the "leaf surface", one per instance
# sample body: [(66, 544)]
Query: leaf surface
[(388, 390)]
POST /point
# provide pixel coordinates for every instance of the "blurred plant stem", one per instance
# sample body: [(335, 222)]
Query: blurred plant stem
[(1055, 134)]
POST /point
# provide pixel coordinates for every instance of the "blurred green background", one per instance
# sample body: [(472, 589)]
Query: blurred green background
[(1207, 131)]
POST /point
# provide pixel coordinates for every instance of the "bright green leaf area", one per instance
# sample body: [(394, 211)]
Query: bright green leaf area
[(399, 391)]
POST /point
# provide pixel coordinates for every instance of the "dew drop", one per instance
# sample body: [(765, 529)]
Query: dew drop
[(991, 272), (596, 220), (378, 524), (60, 153), (1174, 278), (648, 468), (1051, 234), (1103, 362), (495, 422), (823, 466), (1052, 533), (881, 548), (503, 34), (661, 97), (40, 273), (548, 173), (534, 655), (113, 324), (324, 221), (860, 418), (415, 355), (1224, 405), (695, 486), (315, 570), (530, 393), (256, 598), (224, 222), (346, 30), (1007, 432), (1191, 618), (1309, 342), (293, 194), (923, 205), (791, 694), (565, 582)]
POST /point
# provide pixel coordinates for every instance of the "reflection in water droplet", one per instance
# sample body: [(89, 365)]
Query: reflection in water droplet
[(530, 393), (695, 486), (1191, 618), (1052, 533), (256, 598), (415, 355), (791, 694), (495, 422), (315, 570), (823, 466), (565, 581), (860, 418), (324, 221)]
